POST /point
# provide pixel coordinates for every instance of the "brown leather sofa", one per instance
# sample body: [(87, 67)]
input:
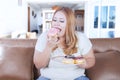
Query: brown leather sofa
[(16, 59)]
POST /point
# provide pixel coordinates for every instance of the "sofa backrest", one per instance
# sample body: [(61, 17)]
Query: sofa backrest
[(107, 54), (16, 59), (105, 44)]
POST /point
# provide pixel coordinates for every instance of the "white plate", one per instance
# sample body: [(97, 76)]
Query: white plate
[(61, 60)]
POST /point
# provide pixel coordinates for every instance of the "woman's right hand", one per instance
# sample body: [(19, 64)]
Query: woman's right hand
[(51, 43), (41, 59)]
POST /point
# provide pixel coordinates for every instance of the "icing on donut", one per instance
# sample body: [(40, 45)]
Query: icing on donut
[(53, 33)]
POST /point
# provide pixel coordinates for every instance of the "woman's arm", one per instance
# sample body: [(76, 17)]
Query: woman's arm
[(89, 60), (41, 59)]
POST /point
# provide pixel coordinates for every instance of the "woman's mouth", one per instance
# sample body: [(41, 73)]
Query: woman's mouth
[(57, 28)]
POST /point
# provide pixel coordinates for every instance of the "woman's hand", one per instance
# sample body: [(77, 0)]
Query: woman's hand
[(82, 63), (52, 42), (41, 59), (89, 60), (61, 42)]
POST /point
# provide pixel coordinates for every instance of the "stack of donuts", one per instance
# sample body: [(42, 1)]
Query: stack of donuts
[(73, 60)]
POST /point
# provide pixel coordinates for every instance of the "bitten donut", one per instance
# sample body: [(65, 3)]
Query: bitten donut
[(53, 33)]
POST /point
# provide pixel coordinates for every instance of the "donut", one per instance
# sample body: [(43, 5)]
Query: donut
[(79, 61), (68, 61), (74, 60), (53, 33)]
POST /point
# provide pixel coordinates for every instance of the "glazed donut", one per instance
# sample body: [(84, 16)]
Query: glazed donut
[(68, 61), (73, 60), (53, 33)]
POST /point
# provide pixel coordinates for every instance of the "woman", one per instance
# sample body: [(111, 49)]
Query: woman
[(69, 43)]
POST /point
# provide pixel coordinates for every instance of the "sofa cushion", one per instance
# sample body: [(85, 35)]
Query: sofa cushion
[(16, 59), (107, 66)]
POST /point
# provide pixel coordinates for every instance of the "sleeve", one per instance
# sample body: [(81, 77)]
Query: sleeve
[(84, 43), (41, 42)]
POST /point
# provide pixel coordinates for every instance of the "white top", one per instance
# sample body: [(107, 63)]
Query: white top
[(61, 71)]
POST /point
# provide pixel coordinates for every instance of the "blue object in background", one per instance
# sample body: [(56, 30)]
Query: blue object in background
[(111, 34)]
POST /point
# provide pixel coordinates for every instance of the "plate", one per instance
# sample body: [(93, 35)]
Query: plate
[(69, 60)]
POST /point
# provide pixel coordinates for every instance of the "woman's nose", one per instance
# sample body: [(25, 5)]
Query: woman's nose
[(57, 23)]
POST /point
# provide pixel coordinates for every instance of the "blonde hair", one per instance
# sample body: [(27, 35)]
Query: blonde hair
[(70, 35)]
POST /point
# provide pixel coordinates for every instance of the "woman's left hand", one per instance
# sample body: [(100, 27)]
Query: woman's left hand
[(89, 60), (82, 63)]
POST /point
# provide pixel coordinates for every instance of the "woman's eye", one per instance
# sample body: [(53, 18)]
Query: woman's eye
[(62, 21)]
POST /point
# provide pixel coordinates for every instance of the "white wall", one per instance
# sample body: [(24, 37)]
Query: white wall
[(12, 16), (33, 20), (39, 21), (117, 30)]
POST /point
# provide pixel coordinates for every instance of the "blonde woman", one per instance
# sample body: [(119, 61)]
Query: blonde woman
[(68, 43)]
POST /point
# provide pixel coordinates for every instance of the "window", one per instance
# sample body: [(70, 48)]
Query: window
[(112, 17), (104, 20), (107, 17), (96, 17)]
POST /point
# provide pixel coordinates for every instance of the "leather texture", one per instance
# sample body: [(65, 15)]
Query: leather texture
[(16, 59), (107, 54)]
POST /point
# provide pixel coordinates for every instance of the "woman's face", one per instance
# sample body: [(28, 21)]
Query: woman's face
[(59, 21)]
